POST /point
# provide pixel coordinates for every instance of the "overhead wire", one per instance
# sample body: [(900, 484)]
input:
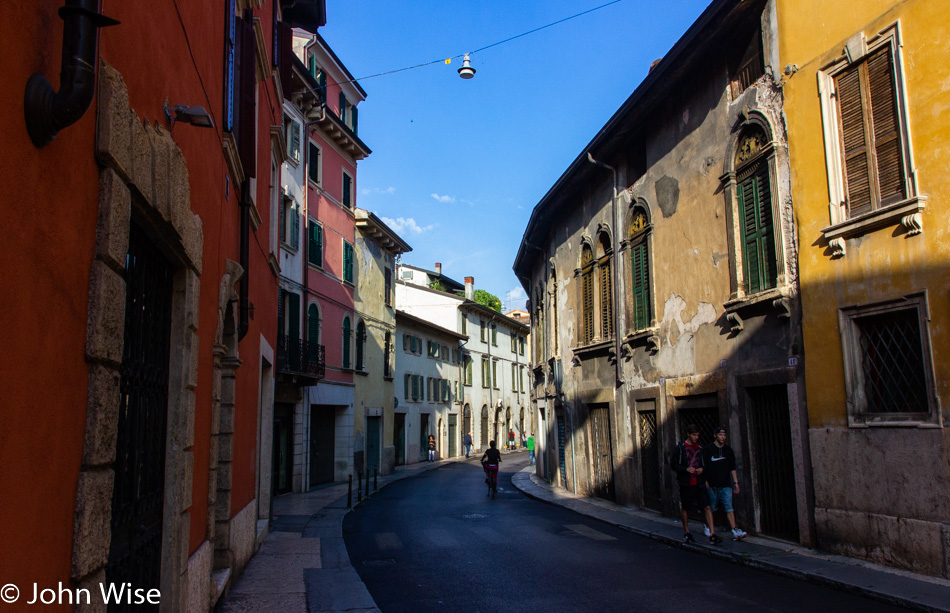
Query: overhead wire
[(480, 49)]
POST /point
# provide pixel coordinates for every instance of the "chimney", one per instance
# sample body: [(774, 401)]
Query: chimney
[(438, 268), (470, 288)]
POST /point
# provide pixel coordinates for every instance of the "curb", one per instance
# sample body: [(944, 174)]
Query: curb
[(739, 558)]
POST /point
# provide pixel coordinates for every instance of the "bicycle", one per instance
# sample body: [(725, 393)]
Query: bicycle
[(491, 470)]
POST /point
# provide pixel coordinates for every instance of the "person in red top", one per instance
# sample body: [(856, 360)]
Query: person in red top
[(687, 461)]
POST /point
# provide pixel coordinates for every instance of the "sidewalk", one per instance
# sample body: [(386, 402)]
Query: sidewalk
[(302, 566), (889, 585)]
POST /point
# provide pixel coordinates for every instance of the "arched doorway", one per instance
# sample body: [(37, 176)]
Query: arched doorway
[(466, 419), (483, 433)]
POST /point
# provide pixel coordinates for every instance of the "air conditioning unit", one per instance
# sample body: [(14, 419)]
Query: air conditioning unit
[(406, 274)]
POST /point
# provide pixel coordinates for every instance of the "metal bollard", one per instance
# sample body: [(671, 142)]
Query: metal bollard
[(367, 484), (349, 494), (375, 474), (359, 486)]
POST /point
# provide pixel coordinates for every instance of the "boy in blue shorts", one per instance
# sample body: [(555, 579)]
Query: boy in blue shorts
[(719, 463)]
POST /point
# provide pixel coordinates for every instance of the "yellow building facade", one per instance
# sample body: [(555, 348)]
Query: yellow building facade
[(867, 103)]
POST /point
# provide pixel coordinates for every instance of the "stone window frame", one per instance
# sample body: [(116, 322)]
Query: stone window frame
[(774, 154), (858, 416), (635, 238), (141, 168), (907, 212)]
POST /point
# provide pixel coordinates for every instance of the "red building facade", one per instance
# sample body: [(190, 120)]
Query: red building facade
[(138, 377)]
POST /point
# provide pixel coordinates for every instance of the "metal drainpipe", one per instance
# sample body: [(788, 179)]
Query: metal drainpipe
[(244, 304), (47, 112), (614, 269)]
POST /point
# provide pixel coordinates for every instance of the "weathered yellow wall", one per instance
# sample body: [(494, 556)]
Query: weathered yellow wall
[(881, 264)]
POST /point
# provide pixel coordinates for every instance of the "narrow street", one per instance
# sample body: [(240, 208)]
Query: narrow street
[(435, 542)]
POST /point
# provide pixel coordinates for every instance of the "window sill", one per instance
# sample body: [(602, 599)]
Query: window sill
[(647, 336), (600, 347), (361, 373), (894, 420), (315, 266), (777, 296), (286, 247), (388, 378), (906, 212)]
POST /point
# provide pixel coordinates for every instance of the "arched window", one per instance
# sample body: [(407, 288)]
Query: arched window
[(754, 199), (640, 267), (604, 252), (587, 294), (361, 346), (346, 341), (387, 358), (313, 325)]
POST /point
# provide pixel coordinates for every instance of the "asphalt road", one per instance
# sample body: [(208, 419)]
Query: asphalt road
[(436, 542)]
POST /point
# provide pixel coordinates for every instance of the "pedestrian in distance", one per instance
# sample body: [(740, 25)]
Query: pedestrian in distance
[(431, 448), (511, 439), (722, 482), (530, 445), (467, 443), (687, 461)]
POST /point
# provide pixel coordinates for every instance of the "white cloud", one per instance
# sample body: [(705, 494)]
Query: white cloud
[(378, 190), (444, 198), (515, 294), (406, 225)]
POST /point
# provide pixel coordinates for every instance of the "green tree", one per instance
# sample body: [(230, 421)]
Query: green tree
[(437, 285), (487, 299)]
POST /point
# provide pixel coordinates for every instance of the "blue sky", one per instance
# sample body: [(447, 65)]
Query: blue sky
[(458, 165)]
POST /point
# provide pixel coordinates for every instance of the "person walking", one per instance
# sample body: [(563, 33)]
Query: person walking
[(687, 461), (511, 439), (722, 482), (530, 446), (467, 443), (431, 448)]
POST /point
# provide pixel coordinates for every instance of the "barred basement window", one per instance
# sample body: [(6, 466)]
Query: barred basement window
[(888, 365)]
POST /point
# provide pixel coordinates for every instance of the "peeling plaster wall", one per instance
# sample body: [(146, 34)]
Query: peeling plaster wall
[(689, 141)]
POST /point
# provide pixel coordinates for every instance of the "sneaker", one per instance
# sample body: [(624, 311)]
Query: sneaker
[(706, 530), (738, 534), (714, 539), (688, 538)]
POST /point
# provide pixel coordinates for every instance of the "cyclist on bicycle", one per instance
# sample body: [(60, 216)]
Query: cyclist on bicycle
[(490, 461)]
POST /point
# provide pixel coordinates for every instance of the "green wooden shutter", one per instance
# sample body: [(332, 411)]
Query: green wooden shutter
[(641, 286), (758, 245), (347, 185), (405, 384), (347, 262), (282, 229), (313, 163), (343, 107), (294, 225), (315, 246), (360, 340), (355, 120), (294, 141), (415, 387)]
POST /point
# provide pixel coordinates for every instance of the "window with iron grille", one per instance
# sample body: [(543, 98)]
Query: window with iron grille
[(888, 364), (866, 141)]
